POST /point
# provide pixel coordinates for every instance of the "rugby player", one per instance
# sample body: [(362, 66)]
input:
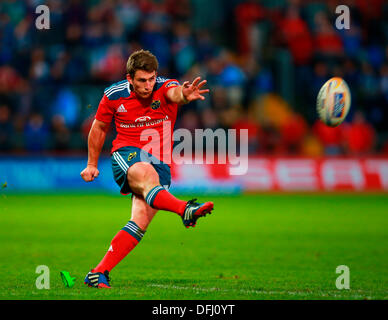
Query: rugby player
[(142, 103)]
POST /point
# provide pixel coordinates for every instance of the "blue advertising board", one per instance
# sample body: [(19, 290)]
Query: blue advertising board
[(62, 174)]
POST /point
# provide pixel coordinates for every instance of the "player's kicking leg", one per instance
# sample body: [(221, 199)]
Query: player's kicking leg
[(144, 180), (123, 243), (151, 196)]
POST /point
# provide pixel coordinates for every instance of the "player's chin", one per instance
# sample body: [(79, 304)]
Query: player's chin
[(146, 95)]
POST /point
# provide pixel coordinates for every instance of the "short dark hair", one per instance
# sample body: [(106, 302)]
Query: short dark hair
[(141, 60)]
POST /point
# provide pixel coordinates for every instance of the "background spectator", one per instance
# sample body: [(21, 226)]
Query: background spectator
[(265, 62)]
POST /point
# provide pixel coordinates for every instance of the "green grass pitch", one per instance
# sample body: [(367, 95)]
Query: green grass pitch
[(267, 246)]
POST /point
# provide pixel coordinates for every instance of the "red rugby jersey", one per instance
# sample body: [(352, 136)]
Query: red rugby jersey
[(144, 123)]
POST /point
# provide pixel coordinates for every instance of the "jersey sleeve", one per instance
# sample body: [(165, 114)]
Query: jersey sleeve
[(105, 110), (170, 83)]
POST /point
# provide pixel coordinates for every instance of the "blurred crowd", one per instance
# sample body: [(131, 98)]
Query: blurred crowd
[(265, 61)]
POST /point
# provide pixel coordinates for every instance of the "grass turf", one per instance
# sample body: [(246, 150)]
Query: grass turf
[(268, 246)]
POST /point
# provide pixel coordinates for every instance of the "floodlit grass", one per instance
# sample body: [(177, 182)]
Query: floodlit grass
[(268, 246)]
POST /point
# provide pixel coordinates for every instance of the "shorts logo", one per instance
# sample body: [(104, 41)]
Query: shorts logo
[(132, 155), (155, 104)]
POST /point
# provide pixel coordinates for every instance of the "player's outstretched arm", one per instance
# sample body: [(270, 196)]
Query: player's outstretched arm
[(188, 92), (96, 140)]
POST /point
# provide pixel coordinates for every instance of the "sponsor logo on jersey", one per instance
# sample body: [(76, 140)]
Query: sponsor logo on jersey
[(146, 122), (155, 104), (121, 108), (143, 119), (132, 155)]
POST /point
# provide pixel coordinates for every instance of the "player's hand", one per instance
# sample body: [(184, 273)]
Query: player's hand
[(90, 173), (193, 91)]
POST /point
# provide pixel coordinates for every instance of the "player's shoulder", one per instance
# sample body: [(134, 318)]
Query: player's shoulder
[(118, 90), (160, 81)]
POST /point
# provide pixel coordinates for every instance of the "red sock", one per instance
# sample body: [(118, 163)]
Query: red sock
[(159, 198), (121, 245)]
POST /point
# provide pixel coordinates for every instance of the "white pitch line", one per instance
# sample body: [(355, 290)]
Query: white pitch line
[(296, 293)]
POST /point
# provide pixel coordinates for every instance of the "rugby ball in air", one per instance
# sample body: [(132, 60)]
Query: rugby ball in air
[(333, 102)]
